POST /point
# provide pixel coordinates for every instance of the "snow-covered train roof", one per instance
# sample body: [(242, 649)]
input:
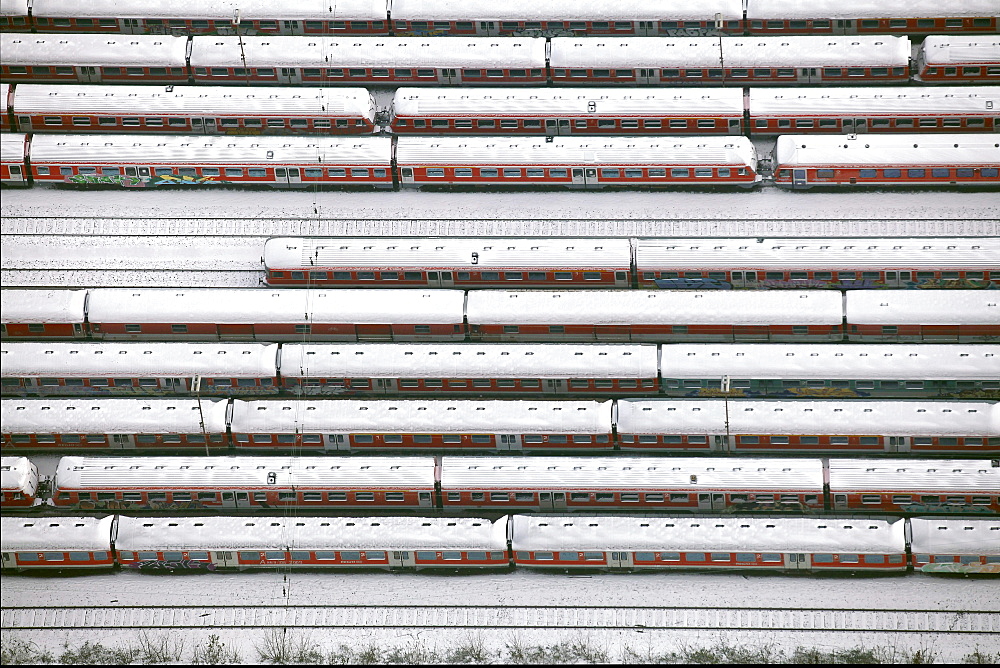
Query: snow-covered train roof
[(445, 253), (932, 535), (805, 253), (590, 102), (468, 360), (853, 9), (382, 52), (750, 534), (72, 50), (187, 100), (737, 52), (11, 145), (215, 9), (18, 474), (99, 360), (846, 361), (439, 416), (958, 50), (735, 151), (633, 307), (14, 7), (941, 475), (310, 533), (254, 305), (42, 306), (63, 534), (209, 150), (904, 150), (687, 473), (972, 101), (244, 472), (923, 307), (564, 10), (110, 416), (777, 416)]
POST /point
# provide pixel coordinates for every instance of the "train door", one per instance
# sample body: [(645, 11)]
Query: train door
[(711, 501), (552, 501), (289, 75), (141, 173), (558, 126), (424, 500), (401, 559), (555, 385), (797, 561), (584, 176), (449, 75), (406, 173), (236, 499), (898, 444), (647, 76), (385, 386), (853, 125), (487, 28), (205, 126), (440, 279), (224, 559), (289, 176), (799, 178), (87, 74), (290, 28), (620, 560), (122, 441), (721, 443), (840, 502), (337, 441), (509, 443)]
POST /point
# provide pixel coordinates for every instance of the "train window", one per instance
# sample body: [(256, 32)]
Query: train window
[(703, 172), (915, 173), (511, 173), (357, 72), (680, 172), (971, 71), (880, 122), (867, 173), (447, 438), (941, 172), (499, 496), (309, 172), (532, 173), (891, 173), (878, 71), (804, 123), (364, 496), (602, 73), (778, 440), (439, 123), (855, 71), (748, 440), (425, 73), (989, 172), (965, 173)]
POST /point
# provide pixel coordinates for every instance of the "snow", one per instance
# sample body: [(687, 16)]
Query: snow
[(79, 50), (963, 476), (955, 49), (889, 150), (217, 9), (954, 536), (563, 10), (118, 416), (968, 101), (55, 533), (923, 307), (18, 474), (852, 9)]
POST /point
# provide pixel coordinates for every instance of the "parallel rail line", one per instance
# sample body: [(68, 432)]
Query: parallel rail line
[(971, 622)]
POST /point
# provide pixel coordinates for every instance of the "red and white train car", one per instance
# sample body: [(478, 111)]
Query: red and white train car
[(448, 263), (368, 60), (469, 368), (114, 424), (240, 543), (866, 17), (191, 110), (775, 111), (576, 162), (621, 483), (733, 61), (73, 58), (546, 111), (401, 424), (950, 59), (840, 264), (952, 316), (12, 152), (805, 161), (804, 545), (116, 369), (213, 483), (777, 426), (56, 543), (18, 483), (149, 161), (955, 547), (48, 314), (950, 486), (654, 316), (277, 315)]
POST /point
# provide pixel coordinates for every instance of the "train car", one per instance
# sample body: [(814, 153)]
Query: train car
[(840, 264), (918, 486), (843, 370), (963, 547), (777, 426), (12, 152), (307, 543), (775, 111), (931, 316), (141, 161), (866, 17), (57, 543), (368, 60), (117, 369), (44, 314), (576, 162), (448, 262), (198, 110), (74, 58), (212, 17), (546, 111), (18, 484), (732, 61), (218, 483), (276, 315), (114, 424), (566, 17), (401, 424), (951, 59), (672, 484), (468, 368), (801, 545), (654, 316), (807, 161)]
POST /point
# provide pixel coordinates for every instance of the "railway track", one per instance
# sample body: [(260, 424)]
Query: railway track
[(970, 623)]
